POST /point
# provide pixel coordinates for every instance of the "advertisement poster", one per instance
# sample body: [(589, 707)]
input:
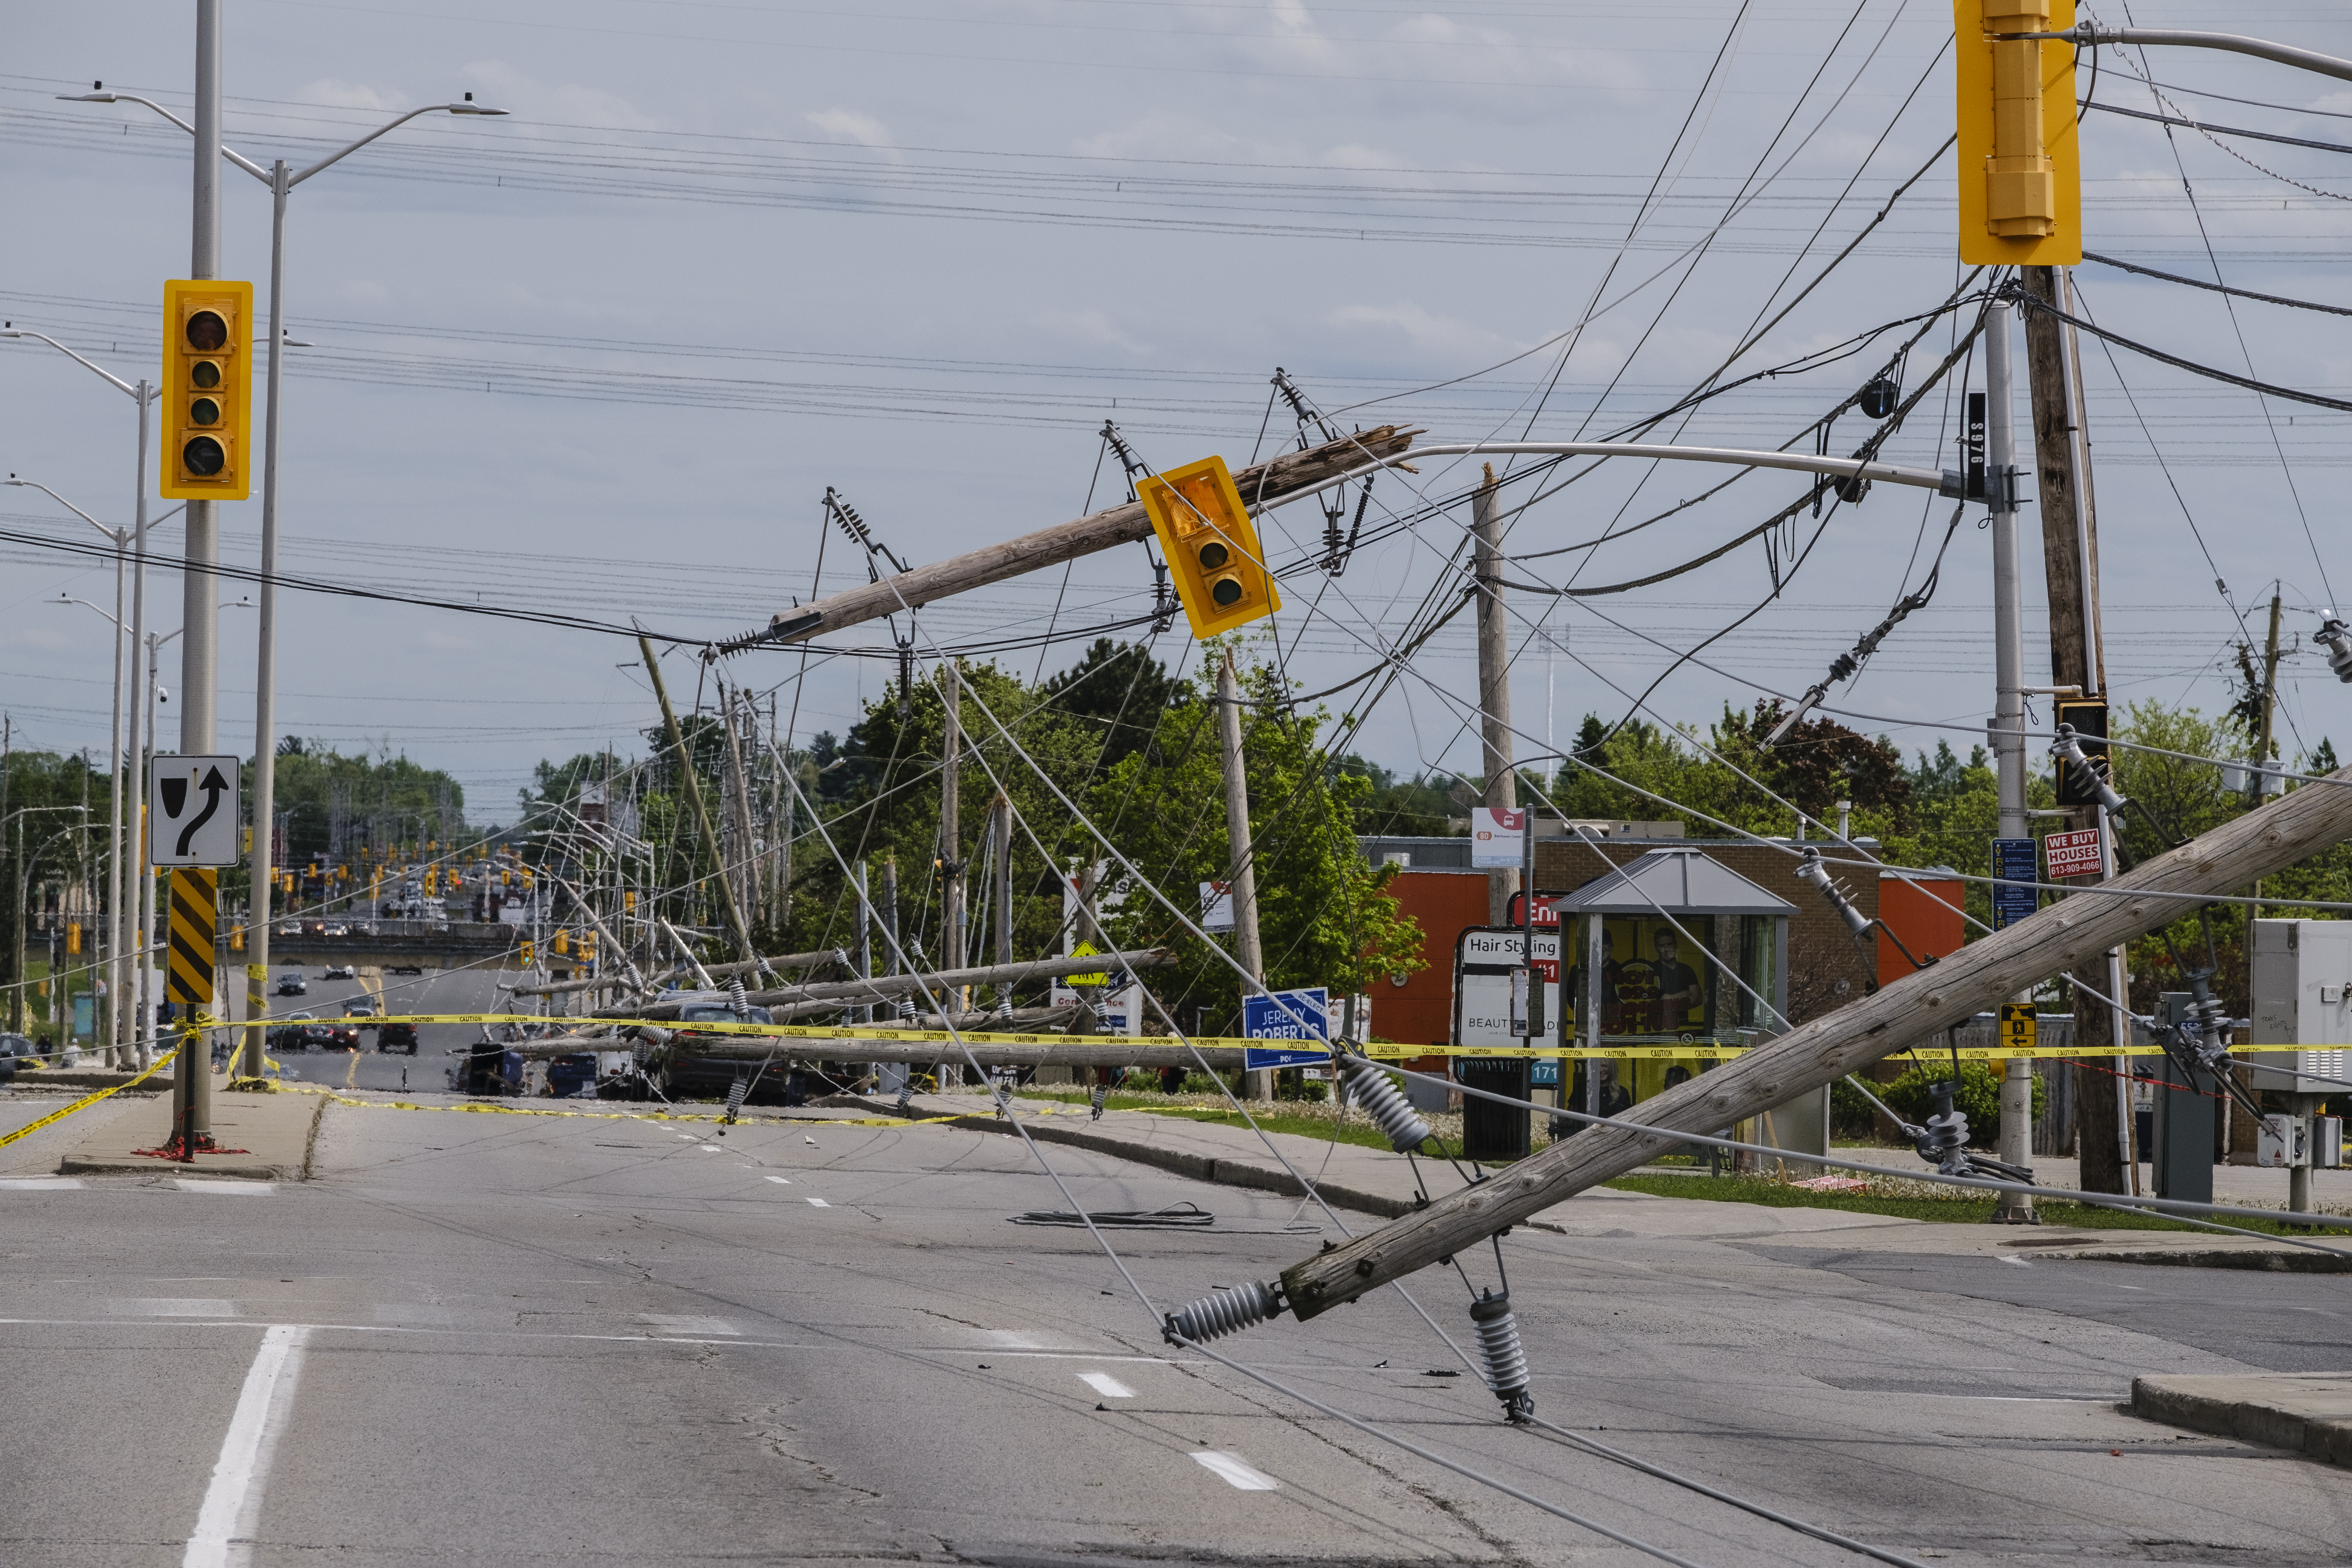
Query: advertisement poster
[(1653, 979)]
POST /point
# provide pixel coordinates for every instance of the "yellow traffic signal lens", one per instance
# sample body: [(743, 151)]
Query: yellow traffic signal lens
[(207, 331), (203, 455), (206, 373), (1225, 591), (1213, 555), (204, 411)]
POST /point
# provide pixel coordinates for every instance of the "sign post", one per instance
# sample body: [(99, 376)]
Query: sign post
[(193, 810)]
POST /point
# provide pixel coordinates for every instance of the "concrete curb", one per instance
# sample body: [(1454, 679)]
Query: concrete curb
[(283, 1131), (2269, 1260), (2308, 1414)]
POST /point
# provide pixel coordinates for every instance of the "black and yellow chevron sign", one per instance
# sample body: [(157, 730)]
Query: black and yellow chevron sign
[(196, 902)]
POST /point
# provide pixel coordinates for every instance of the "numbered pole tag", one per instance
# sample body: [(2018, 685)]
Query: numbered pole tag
[(192, 812)]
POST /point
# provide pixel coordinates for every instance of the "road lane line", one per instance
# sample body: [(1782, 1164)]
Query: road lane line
[(39, 1184), (1110, 1387), (781, 1181), (244, 1456), (1234, 1471), (819, 1203), (701, 1328), (195, 1184)]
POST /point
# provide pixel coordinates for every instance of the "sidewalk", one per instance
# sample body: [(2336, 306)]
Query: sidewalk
[(1376, 1182), (2310, 1413), (272, 1132)]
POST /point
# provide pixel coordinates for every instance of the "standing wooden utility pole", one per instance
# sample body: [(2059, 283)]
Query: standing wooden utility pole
[(1244, 873), (742, 870), (1494, 681), (2070, 559), (2258, 777), (999, 828), (694, 799), (950, 858)]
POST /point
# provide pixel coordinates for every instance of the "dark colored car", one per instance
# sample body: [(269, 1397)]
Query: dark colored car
[(404, 969), (572, 1076), (396, 1038), (13, 1050), (294, 1033), (687, 1075), (291, 983)]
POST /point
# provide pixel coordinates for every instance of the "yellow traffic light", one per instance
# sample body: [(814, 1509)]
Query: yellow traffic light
[(1210, 545), (530, 953), (561, 942), (73, 937), (207, 402), (2020, 181)]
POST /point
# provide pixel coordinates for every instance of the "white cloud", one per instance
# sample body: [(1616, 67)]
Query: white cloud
[(335, 93), (1431, 334), (1091, 327), (852, 125)]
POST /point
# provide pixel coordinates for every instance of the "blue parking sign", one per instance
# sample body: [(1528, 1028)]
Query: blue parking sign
[(1263, 1018)]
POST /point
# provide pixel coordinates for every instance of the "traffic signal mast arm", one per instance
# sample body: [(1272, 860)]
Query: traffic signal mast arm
[(2089, 35), (1975, 978)]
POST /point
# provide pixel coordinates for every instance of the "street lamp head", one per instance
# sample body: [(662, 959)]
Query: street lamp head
[(470, 107), (85, 97)]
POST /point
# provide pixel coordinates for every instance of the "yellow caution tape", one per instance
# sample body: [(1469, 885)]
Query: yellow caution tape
[(1382, 1052), (89, 1100)]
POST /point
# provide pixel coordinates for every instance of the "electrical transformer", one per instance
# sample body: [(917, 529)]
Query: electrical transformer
[(2302, 1032)]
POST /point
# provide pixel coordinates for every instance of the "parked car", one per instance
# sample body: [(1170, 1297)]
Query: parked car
[(339, 971), (291, 983), (338, 931), (341, 1036), (16, 1050), (293, 1034), (396, 1038), (404, 969), (290, 928)]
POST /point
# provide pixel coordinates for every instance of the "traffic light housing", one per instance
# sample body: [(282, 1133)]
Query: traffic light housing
[(206, 405), (2021, 175), (1210, 545)]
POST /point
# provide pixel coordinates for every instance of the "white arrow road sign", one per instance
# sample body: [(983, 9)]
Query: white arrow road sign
[(192, 812)]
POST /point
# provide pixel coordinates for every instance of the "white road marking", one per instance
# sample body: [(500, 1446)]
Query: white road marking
[(244, 1459), (1234, 1471), (196, 1184), (712, 1149), (39, 1184), (1110, 1387), (2019, 1262), (697, 1326), (779, 1181), (175, 1307), (819, 1203)]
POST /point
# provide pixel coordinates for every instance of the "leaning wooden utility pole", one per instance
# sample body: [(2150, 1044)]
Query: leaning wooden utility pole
[(742, 865), (2264, 744), (694, 799), (1906, 1011), (1000, 830), (1243, 874), (1273, 480), (1494, 680), (2070, 559)]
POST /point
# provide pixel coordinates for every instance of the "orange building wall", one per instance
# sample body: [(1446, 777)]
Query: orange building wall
[(1421, 1011), (1926, 915)]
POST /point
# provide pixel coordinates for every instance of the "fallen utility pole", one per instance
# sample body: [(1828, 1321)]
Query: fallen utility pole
[(694, 798), (1279, 479), (1028, 972), (671, 977), (2291, 829), (1079, 1051)]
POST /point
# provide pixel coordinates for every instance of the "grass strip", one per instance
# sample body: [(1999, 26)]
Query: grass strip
[(1962, 1208)]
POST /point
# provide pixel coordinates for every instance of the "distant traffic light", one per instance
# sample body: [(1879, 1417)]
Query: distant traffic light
[(1211, 546), (2020, 177), (207, 402)]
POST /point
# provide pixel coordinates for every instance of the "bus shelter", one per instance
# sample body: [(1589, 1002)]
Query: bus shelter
[(1649, 995)]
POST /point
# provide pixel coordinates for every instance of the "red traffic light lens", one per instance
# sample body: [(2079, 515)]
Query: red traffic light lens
[(204, 373), (207, 331), (204, 411), (1213, 555), (203, 455), (1225, 591)]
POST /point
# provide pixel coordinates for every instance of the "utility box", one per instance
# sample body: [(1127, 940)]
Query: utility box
[(2182, 1155), (2302, 1024), (2282, 1144), (2328, 1142)]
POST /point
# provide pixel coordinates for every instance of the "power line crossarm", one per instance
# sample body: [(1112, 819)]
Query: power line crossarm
[(1966, 982)]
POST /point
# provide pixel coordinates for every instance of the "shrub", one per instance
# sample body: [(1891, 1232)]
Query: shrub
[(1978, 1096)]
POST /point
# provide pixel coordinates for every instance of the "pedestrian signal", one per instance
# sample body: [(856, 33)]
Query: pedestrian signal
[(1210, 545), (207, 393), (2020, 177)]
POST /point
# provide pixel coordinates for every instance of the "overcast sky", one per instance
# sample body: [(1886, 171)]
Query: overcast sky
[(604, 356)]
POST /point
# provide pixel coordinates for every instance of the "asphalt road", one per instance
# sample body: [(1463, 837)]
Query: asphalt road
[(493, 1339), (434, 990)]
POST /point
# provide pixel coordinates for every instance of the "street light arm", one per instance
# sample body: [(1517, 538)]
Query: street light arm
[(114, 534), (1944, 481), (119, 629), (383, 130), (100, 369), (2089, 35), (232, 154)]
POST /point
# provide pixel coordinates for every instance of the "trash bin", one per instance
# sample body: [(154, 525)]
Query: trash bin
[(1491, 1131)]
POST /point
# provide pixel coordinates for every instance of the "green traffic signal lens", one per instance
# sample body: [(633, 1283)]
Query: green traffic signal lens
[(208, 334), (1225, 591), (206, 373), (203, 455), (204, 411), (1213, 555)]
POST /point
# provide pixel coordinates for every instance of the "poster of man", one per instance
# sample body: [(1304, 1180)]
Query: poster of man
[(1658, 992)]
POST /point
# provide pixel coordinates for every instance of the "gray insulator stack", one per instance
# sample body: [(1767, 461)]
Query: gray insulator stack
[(1225, 1310), (735, 1093), (2337, 638), (1504, 1361), (1815, 875), (1102, 1093), (1386, 1104)]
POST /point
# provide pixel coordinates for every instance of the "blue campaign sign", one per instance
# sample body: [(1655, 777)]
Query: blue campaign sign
[(2014, 861), (1264, 1019)]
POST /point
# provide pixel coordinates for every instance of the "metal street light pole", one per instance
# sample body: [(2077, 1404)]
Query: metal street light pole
[(144, 394), (16, 958), (281, 179)]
